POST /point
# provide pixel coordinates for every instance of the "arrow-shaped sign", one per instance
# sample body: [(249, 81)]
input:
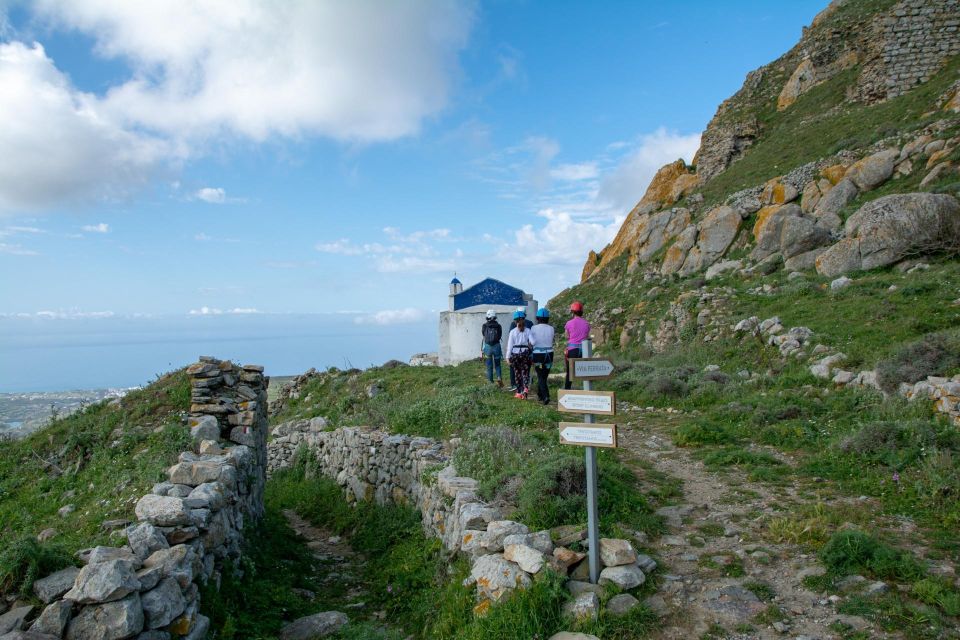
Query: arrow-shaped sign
[(588, 435), (598, 402), (590, 368)]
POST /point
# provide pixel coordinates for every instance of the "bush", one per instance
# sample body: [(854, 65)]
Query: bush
[(25, 560), (934, 354), (888, 442), (667, 386), (849, 552)]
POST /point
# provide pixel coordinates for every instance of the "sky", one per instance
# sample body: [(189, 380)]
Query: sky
[(216, 157)]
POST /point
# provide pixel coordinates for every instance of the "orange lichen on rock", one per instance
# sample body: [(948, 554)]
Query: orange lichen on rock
[(834, 173), (763, 216)]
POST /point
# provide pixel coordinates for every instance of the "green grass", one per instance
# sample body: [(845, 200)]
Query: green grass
[(100, 459)]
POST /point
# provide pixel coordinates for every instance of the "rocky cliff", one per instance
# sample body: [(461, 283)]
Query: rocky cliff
[(864, 105)]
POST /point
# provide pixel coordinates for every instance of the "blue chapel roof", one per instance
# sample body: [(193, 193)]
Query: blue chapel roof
[(489, 291), (455, 280)]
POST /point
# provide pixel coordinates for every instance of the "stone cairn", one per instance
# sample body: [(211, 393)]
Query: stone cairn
[(188, 527), (372, 465)]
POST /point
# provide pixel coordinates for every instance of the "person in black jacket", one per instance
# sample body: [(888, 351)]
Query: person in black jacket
[(490, 349)]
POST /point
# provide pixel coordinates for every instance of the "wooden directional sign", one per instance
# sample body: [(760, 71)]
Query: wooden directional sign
[(602, 403), (590, 368), (588, 435)]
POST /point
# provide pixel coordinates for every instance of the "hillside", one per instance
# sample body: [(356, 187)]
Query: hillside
[(75, 482)]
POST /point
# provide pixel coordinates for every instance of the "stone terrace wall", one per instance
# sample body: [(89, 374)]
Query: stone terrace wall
[(373, 465), (187, 528)]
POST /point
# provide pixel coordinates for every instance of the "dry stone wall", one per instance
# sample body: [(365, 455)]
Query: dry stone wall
[(373, 465), (188, 528)]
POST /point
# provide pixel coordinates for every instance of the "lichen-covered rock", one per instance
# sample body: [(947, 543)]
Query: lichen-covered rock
[(104, 582), (584, 606), (717, 231), (621, 604), (872, 171), (204, 427), (675, 256), (495, 577), (842, 257), (497, 530), (527, 558), (800, 234), (767, 228), (539, 540), (110, 621), (803, 78)]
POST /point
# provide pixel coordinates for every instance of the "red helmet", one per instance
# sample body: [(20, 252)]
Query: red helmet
[(576, 307)]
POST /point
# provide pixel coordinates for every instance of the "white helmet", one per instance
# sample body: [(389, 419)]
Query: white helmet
[(491, 314)]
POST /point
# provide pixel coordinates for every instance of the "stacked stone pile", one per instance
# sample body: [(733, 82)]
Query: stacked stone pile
[(292, 391), (187, 527), (825, 364), (373, 465)]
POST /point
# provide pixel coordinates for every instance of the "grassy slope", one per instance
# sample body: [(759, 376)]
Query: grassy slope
[(107, 455)]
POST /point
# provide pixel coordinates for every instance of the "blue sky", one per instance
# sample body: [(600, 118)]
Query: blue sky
[(229, 157)]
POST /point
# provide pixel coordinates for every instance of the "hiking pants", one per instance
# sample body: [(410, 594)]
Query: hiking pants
[(492, 355), (573, 352), (520, 365), (543, 361)]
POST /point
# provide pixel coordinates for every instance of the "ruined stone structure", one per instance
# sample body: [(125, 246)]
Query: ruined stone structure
[(189, 528)]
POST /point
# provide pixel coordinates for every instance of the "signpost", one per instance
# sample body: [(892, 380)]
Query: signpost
[(589, 402), (589, 435), (590, 368)]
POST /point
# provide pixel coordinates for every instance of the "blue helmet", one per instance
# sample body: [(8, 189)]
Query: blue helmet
[(543, 312), (519, 314)]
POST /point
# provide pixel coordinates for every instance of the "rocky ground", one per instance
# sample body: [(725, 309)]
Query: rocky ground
[(718, 551)]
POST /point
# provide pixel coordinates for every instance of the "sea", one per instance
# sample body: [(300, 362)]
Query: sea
[(62, 354)]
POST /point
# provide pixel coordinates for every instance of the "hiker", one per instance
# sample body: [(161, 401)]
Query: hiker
[(542, 334), (528, 324), (577, 330), (490, 349), (520, 345)]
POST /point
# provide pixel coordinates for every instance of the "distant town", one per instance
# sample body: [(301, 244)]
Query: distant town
[(23, 413)]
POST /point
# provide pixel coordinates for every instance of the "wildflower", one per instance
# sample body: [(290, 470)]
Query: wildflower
[(896, 477), (389, 588)]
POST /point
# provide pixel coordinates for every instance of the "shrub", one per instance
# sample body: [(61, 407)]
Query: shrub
[(848, 552), (893, 443), (667, 386), (716, 376), (934, 354)]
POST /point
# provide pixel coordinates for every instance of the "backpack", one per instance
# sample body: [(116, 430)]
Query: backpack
[(490, 333)]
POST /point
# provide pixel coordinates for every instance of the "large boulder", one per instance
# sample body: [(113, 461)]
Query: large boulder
[(803, 78), (891, 228), (104, 582), (319, 625), (677, 253), (800, 234), (829, 206), (718, 229), (54, 619), (872, 171), (111, 621), (643, 234), (767, 228)]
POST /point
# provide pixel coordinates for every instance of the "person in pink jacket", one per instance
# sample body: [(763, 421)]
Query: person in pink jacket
[(577, 330)]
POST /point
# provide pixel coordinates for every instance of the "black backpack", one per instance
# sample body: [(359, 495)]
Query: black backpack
[(491, 333)]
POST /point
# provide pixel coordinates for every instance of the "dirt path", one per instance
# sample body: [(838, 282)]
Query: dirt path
[(715, 554), (340, 566)]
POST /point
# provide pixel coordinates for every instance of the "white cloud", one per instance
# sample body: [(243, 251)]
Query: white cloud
[(575, 172), (73, 314), (415, 252), (244, 311), (205, 72), (561, 240), (102, 227), (16, 250), (392, 316), (623, 187), (57, 144), (206, 311), (213, 195)]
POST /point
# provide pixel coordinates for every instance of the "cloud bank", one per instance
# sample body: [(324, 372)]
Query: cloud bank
[(207, 71)]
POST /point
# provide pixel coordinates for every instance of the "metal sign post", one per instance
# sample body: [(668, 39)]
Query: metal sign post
[(593, 526)]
